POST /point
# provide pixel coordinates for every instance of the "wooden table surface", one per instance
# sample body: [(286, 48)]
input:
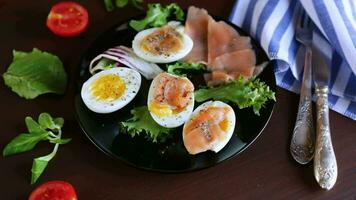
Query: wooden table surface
[(264, 171)]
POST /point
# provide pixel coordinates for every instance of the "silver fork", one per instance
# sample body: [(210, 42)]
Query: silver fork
[(303, 139)]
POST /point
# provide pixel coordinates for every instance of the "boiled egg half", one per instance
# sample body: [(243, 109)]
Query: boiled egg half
[(210, 127), (170, 100), (162, 45), (110, 90)]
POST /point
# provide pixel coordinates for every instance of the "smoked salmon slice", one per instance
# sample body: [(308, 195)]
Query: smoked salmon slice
[(222, 38), (196, 27), (217, 44)]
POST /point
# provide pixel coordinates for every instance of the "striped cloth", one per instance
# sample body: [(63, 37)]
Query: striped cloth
[(272, 23)]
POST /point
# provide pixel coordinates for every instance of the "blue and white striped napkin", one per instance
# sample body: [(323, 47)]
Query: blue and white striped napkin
[(273, 22)]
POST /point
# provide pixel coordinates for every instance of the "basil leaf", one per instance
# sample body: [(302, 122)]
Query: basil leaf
[(59, 121), (46, 121), (121, 3), (34, 73), (32, 126), (40, 164), (23, 142), (60, 141)]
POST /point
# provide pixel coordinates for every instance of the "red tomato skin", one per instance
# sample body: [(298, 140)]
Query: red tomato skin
[(68, 19), (54, 190)]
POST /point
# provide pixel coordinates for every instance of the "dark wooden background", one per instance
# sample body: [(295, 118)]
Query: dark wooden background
[(264, 171)]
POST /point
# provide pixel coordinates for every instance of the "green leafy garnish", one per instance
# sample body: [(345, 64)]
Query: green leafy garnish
[(109, 5), (252, 93), (180, 68), (142, 122), (35, 73), (46, 128), (157, 16)]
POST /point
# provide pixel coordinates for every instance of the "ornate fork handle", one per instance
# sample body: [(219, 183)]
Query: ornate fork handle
[(303, 139), (325, 166)]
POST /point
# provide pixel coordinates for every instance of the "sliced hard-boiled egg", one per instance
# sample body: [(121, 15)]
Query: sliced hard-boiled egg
[(110, 90), (170, 100), (210, 127), (162, 45)]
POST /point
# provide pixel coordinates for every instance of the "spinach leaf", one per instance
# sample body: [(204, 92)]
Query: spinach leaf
[(60, 141), (32, 126), (35, 73), (47, 128), (59, 121), (46, 121), (23, 142), (40, 164)]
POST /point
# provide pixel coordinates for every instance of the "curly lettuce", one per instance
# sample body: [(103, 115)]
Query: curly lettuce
[(181, 68), (157, 15), (252, 93), (141, 122)]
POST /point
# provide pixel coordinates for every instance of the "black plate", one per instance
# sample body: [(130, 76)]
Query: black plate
[(104, 131)]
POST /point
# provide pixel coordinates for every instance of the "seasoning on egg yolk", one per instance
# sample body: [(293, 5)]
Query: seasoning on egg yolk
[(163, 41), (108, 87)]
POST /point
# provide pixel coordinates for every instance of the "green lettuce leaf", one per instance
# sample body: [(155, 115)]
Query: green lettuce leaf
[(35, 73), (142, 122), (252, 93), (157, 16), (180, 68)]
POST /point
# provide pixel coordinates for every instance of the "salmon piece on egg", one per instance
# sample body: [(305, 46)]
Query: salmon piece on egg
[(209, 128), (170, 99)]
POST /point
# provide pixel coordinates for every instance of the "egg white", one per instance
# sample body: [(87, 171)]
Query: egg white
[(219, 143), (176, 119), (130, 77), (136, 46)]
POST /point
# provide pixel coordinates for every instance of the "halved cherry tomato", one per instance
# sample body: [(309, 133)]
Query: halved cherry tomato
[(67, 19), (59, 190)]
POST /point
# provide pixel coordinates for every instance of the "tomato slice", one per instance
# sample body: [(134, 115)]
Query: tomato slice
[(67, 19), (59, 190)]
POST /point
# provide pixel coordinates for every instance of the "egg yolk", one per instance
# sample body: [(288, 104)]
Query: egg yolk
[(161, 110), (108, 87), (163, 41), (224, 124)]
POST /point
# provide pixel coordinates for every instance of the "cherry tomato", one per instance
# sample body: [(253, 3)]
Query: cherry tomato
[(67, 19), (59, 190)]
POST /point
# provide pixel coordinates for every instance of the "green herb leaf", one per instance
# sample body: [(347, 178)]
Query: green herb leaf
[(121, 3), (137, 3), (59, 121), (32, 126), (60, 141), (40, 164), (22, 143), (157, 16), (142, 122), (243, 93), (35, 73), (46, 121), (109, 6), (180, 68)]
